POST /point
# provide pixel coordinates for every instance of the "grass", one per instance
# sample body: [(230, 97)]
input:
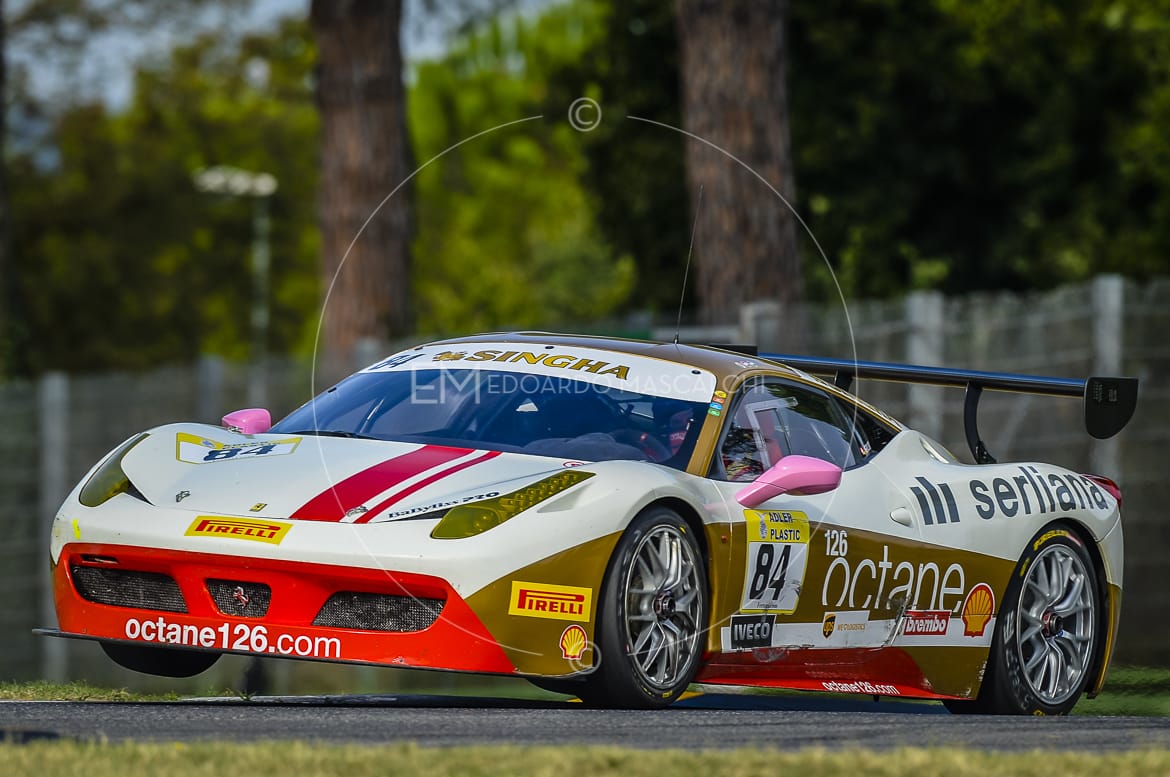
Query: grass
[(40, 690), (281, 759), (1130, 691)]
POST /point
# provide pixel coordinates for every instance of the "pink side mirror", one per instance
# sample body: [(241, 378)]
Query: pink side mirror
[(795, 474), (254, 420)]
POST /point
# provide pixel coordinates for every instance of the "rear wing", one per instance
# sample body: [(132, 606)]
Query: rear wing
[(1108, 402)]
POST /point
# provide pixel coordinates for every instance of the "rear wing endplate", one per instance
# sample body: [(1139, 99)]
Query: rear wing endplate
[(1108, 402)]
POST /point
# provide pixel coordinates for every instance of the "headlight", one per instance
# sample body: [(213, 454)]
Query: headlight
[(109, 480), (470, 520)]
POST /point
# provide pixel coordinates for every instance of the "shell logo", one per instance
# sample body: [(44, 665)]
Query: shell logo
[(574, 641), (977, 610)]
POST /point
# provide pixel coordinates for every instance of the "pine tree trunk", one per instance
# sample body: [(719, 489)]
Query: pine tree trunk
[(365, 154), (735, 96)]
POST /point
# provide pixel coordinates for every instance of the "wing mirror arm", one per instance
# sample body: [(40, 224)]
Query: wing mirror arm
[(800, 475)]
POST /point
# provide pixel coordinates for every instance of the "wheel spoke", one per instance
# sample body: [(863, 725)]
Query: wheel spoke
[(674, 645), (1072, 598), (674, 571), (1053, 578), (1055, 667), (643, 637), (1037, 658), (647, 573), (1039, 578)]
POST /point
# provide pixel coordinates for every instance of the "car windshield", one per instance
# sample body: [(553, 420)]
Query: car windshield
[(505, 410)]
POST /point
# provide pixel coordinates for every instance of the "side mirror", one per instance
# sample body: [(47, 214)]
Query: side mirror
[(791, 475), (254, 420)]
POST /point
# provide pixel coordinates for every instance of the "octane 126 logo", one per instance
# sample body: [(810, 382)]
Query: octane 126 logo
[(271, 532), (544, 600)]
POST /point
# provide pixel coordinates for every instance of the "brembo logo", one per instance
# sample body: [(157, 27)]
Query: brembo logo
[(543, 600), (271, 532), (921, 623)]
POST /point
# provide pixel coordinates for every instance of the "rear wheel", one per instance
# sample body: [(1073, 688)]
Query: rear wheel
[(165, 662), (1048, 631), (651, 617)]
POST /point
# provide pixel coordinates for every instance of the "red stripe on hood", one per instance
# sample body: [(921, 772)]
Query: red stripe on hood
[(373, 511), (332, 504)]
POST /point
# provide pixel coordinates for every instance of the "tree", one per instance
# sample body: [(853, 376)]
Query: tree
[(735, 97), (365, 157), (118, 261), (993, 145), (5, 285), (508, 233), (635, 170)]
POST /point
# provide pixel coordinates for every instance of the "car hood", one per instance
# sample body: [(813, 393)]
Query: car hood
[(206, 468)]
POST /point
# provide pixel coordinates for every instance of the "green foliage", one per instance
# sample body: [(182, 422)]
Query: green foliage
[(118, 261), (507, 233), (635, 170), (998, 144)]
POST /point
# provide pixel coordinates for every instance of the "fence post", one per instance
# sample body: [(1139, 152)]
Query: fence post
[(209, 389), (1108, 299), (53, 422), (759, 324), (368, 350), (924, 345)]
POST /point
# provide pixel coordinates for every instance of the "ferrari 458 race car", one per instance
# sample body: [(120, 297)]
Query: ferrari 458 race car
[(611, 519)]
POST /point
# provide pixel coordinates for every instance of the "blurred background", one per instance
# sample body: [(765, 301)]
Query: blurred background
[(209, 204)]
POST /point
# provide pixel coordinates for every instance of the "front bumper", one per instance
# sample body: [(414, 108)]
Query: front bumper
[(282, 608)]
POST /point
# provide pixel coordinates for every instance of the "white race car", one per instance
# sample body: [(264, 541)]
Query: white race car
[(611, 519)]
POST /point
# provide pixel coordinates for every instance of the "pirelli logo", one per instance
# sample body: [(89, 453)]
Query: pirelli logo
[(251, 529), (543, 600)]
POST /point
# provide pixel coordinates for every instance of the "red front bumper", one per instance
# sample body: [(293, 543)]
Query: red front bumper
[(456, 640)]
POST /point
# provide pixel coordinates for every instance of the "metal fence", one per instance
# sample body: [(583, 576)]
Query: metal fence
[(56, 427)]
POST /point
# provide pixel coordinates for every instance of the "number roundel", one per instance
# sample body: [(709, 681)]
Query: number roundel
[(770, 572)]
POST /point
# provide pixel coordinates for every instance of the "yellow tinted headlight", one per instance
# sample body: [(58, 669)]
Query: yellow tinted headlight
[(109, 480), (470, 520)]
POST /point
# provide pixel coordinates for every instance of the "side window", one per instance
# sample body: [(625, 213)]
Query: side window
[(869, 434), (774, 418)]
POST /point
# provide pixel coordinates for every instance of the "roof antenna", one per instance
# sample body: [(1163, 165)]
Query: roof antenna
[(690, 252)]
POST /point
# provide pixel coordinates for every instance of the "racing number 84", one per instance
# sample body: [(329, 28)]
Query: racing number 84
[(775, 571), (770, 572)]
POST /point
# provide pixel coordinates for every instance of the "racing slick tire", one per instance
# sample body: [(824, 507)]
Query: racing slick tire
[(652, 615), (164, 662), (1048, 633)]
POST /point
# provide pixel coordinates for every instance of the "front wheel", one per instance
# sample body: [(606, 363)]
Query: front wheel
[(652, 615), (165, 662), (1047, 635)]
